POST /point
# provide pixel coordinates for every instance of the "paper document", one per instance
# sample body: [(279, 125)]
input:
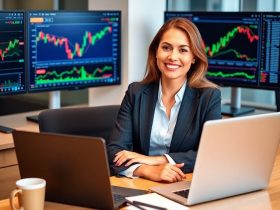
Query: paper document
[(154, 199)]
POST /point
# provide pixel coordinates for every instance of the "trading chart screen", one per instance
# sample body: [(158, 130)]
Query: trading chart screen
[(242, 47), (12, 65), (73, 50)]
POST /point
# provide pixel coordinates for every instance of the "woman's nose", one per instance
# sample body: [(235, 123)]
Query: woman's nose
[(173, 55)]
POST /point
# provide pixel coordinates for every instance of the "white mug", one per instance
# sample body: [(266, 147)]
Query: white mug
[(30, 193)]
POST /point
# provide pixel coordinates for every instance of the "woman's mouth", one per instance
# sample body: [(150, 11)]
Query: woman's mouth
[(172, 66)]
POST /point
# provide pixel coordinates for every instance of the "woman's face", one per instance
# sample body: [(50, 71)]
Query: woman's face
[(174, 56)]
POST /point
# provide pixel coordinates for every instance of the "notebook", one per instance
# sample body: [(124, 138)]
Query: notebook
[(235, 156), (75, 168)]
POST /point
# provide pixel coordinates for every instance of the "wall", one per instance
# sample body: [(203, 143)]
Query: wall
[(27, 5)]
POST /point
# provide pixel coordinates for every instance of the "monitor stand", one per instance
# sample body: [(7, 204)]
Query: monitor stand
[(54, 103), (234, 108)]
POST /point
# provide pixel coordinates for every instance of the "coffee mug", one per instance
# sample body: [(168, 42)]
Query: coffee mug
[(30, 193)]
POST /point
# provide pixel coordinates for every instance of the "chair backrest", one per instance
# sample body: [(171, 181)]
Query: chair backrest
[(87, 121)]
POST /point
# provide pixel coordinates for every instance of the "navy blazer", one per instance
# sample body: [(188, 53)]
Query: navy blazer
[(133, 126)]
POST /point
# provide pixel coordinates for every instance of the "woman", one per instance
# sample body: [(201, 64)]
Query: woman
[(157, 131)]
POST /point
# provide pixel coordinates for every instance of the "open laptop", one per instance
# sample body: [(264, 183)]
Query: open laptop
[(74, 167), (235, 156)]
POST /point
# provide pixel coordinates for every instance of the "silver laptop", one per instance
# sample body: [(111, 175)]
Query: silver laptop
[(74, 167), (235, 156)]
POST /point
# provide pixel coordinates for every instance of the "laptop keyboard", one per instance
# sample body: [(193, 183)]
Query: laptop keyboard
[(183, 193), (119, 194), (118, 198)]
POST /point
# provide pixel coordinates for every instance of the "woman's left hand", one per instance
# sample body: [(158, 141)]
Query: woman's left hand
[(133, 157)]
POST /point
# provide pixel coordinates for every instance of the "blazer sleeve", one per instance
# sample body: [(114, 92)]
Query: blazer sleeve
[(209, 108), (121, 136)]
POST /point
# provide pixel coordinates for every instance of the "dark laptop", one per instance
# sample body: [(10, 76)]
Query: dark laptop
[(74, 167)]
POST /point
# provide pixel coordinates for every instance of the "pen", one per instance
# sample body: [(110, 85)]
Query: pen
[(138, 204)]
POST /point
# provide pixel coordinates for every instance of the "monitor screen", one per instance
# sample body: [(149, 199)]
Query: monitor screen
[(12, 65), (73, 50), (242, 47)]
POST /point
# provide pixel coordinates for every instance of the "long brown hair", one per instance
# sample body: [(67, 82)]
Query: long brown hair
[(196, 74)]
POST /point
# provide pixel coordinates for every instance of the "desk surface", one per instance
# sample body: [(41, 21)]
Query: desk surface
[(262, 200)]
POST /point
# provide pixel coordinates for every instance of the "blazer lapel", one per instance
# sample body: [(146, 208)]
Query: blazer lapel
[(185, 116), (146, 115)]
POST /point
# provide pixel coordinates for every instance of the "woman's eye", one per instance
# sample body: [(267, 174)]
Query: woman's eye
[(184, 50), (165, 47)]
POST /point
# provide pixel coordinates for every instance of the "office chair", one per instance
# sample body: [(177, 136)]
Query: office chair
[(88, 121)]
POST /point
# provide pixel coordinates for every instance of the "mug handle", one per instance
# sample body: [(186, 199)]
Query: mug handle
[(12, 199)]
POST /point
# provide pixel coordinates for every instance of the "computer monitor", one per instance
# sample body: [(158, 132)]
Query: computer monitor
[(73, 50), (12, 65), (242, 47)]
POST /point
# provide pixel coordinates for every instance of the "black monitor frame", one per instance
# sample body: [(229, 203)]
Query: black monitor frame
[(65, 68)]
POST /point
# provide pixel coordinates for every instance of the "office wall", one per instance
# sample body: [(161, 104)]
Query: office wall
[(27, 5), (73, 5), (140, 22)]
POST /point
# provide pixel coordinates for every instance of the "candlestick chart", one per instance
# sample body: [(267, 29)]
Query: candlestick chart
[(232, 44), (82, 43)]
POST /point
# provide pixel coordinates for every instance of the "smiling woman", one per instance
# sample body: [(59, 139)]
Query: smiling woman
[(157, 131)]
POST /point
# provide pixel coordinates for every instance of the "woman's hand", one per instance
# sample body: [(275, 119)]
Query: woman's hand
[(165, 172), (133, 157)]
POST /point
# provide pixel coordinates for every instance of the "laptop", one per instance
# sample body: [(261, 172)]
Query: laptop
[(75, 169), (235, 156)]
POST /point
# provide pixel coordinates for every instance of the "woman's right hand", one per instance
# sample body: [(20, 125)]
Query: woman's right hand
[(129, 157), (166, 172)]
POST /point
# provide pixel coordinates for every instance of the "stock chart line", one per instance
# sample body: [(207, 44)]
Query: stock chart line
[(11, 50), (225, 40), (79, 50), (237, 55), (67, 76), (227, 75)]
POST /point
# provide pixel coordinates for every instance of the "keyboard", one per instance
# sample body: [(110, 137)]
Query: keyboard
[(119, 194), (183, 193), (118, 198)]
